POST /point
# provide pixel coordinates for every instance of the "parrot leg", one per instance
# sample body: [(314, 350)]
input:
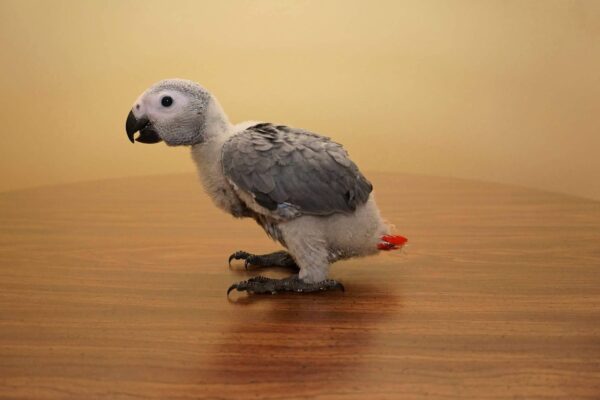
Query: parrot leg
[(276, 259), (263, 285)]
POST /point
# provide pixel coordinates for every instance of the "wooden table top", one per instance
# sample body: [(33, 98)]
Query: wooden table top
[(116, 289)]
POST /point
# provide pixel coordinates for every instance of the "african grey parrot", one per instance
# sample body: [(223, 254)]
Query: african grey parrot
[(299, 186)]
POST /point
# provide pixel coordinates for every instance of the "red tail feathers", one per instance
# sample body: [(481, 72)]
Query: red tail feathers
[(391, 242)]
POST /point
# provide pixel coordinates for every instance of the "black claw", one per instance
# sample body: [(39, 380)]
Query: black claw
[(242, 255), (234, 286), (238, 286), (238, 255)]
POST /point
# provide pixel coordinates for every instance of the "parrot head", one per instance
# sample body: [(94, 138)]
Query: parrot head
[(173, 110)]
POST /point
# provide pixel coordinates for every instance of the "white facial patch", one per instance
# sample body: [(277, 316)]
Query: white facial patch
[(162, 105)]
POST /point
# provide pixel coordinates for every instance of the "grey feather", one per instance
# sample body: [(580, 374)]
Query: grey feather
[(294, 172)]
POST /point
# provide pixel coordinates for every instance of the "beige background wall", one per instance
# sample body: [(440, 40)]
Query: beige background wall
[(505, 91)]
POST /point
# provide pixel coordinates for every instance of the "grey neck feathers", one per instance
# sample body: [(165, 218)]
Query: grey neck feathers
[(216, 122)]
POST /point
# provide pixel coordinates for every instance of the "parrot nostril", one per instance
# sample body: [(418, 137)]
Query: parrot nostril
[(137, 106)]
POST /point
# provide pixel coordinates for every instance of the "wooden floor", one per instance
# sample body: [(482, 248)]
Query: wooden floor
[(116, 290)]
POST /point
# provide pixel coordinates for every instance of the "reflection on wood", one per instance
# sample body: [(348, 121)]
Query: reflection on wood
[(116, 289)]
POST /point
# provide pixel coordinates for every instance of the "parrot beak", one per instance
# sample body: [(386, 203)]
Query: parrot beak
[(143, 125)]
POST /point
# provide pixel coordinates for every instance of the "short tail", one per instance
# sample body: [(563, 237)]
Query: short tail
[(391, 242)]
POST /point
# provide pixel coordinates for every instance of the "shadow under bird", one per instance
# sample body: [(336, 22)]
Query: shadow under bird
[(300, 187)]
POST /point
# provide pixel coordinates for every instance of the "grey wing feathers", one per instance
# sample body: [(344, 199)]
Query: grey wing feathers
[(292, 168)]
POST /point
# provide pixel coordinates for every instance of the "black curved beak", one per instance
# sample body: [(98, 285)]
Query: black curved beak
[(143, 125)]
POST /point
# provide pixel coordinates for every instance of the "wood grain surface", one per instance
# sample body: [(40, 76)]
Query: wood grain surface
[(116, 290)]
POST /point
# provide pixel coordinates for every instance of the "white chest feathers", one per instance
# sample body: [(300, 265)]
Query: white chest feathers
[(207, 157)]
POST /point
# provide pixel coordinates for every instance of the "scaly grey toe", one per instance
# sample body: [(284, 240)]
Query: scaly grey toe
[(276, 259), (264, 285)]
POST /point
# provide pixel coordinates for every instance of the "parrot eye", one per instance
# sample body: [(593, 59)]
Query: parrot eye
[(166, 101)]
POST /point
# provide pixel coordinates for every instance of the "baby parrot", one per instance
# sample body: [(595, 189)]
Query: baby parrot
[(300, 187)]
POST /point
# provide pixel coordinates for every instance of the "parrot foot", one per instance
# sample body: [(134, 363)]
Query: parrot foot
[(276, 259), (263, 285)]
